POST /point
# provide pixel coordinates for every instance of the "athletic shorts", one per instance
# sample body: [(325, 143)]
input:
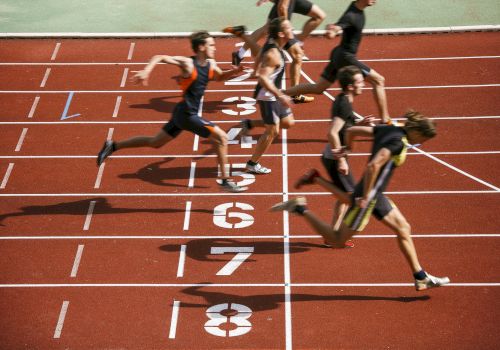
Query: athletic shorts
[(290, 43), (340, 58), (357, 218), (344, 182), (302, 7), (184, 120), (272, 111)]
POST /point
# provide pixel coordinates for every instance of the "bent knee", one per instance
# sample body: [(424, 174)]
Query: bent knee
[(287, 124)]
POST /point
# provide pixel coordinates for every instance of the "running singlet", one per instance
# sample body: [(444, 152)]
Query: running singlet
[(276, 77), (193, 87), (352, 23)]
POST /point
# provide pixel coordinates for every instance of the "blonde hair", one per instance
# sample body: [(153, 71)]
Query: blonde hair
[(419, 123)]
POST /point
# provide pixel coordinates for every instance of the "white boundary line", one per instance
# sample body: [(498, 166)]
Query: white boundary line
[(21, 140), (56, 50), (124, 77), (182, 260), (78, 258), (88, 218), (60, 321), (117, 106), (187, 216), (381, 31), (45, 77), (6, 176), (218, 285), (33, 107), (131, 51), (173, 321), (278, 237), (220, 194)]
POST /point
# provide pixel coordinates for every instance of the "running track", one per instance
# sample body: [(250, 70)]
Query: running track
[(142, 252)]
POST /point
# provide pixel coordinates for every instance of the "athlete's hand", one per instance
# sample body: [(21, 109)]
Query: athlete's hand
[(369, 120), (261, 2), (331, 31), (340, 153), (342, 166), (285, 100), (361, 202), (140, 76)]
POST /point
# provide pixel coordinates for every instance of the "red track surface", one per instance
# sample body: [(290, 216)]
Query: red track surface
[(122, 294)]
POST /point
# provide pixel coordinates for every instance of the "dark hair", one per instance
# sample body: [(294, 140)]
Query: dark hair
[(346, 75), (276, 26), (419, 123), (198, 38)]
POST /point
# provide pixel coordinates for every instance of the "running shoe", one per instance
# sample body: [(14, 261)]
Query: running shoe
[(231, 186), (236, 30), (431, 282), (290, 205), (105, 152), (257, 169), (307, 178), (302, 99), (348, 244)]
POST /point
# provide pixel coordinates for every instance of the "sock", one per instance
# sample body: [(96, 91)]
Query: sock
[(252, 163), (241, 52), (299, 209), (420, 275)]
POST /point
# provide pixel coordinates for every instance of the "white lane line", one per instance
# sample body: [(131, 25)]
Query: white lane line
[(456, 169), (243, 285), (33, 107), (182, 260), (45, 77), (88, 218), (124, 77), (60, 321), (110, 134), (187, 216), (196, 143), (249, 62), (173, 321), (56, 50), (117, 106), (131, 51), (231, 90), (99, 176), (191, 175), (78, 258), (7, 175), (21, 140)]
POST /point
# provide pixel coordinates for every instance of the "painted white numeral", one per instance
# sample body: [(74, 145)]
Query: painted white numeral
[(242, 253), (248, 105), (216, 319), (245, 141), (221, 215), (242, 80), (248, 178)]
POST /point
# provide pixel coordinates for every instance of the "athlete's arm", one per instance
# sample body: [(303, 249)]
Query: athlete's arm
[(220, 74), (184, 63), (332, 30), (354, 132), (371, 174), (334, 139)]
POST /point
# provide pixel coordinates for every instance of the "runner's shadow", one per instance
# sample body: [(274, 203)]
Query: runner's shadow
[(263, 302), (199, 249), (155, 174), (80, 208), (163, 105)]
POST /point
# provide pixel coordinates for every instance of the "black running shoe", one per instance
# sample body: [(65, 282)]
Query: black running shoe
[(105, 152)]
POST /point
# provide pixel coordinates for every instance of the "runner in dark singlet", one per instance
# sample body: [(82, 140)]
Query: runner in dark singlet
[(351, 24), (196, 72), (388, 152)]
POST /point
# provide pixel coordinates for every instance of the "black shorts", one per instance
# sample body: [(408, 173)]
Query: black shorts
[(302, 7), (344, 182), (182, 119), (290, 43), (340, 58), (357, 218), (272, 111)]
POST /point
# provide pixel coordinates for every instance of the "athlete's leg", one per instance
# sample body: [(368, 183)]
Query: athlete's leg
[(397, 222), (270, 133), (378, 83), (317, 88), (160, 139), (317, 16), (335, 238), (219, 139), (297, 53)]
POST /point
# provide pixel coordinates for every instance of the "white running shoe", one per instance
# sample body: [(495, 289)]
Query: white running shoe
[(258, 169), (231, 186), (289, 205), (431, 282)]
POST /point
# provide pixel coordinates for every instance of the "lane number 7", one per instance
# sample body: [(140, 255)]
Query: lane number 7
[(242, 253)]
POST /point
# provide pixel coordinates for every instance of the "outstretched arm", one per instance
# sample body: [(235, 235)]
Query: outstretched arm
[(184, 63), (220, 74), (371, 174)]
